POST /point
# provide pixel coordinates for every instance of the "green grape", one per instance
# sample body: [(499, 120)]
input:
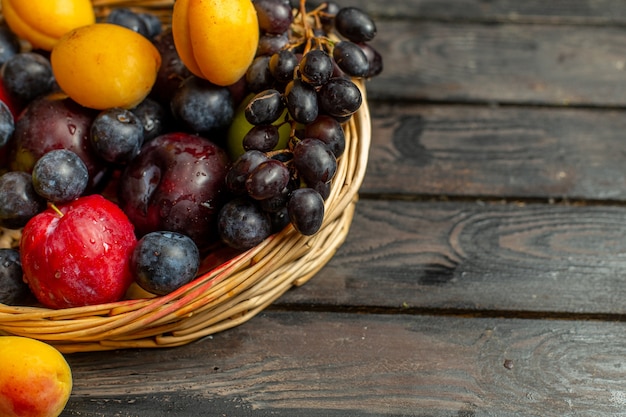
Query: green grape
[(240, 126)]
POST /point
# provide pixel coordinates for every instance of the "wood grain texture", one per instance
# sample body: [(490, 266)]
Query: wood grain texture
[(530, 64), (278, 364), (497, 152), (495, 259), (579, 12)]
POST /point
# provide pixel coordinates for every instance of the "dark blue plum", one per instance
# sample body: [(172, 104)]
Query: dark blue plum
[(60, 176), (242, 224), (202, 107), (116, 135), (13, 289), (18, 200), (27, 75), (164, 261), (125, 17)]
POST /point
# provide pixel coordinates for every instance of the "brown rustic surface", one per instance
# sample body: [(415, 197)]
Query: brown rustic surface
[(484, 274)]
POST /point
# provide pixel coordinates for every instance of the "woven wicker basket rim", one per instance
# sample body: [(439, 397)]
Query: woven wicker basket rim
[(221, 298)]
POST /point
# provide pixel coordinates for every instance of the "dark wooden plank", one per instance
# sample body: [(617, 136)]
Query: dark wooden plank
[(495, 259), (531, 64), (584, 12), (513, 152), (324, 364)]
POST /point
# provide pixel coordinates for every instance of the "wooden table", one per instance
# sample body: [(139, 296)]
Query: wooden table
[(485, 271)]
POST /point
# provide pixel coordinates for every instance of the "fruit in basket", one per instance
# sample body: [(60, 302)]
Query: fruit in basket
[(242, 223), (116, 135), (44, 22), (217, 40), (176, 183), (27, 75), (164, 261), (36, 380), (77, 254), (105, 65), (60, 176), (202, 107)]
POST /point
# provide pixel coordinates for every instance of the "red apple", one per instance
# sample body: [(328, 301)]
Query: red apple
[(78, 256)]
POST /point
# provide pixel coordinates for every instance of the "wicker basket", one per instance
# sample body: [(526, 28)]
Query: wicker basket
[(223, 296)]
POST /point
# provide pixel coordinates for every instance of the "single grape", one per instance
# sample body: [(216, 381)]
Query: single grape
[(351, 59), (265, 107), (27, 75), (242, 224), (13, 289), (274, 16), (164, 261), (314, 161), (270, 43), (339, 97), (7, 124), (202, 107), (355, 25), (258, 75), (267, 180), (306, 210), (241, 168), (60, 176), (374, 59), (116, 135), (328, 130), (316, 67), (282, 65), (18, 200), (262, 138), (301, 100)]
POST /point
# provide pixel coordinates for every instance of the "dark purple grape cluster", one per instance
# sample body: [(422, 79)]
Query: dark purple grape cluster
[(303, 76)]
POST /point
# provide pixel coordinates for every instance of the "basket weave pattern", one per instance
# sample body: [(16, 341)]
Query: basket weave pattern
[(222, 297)]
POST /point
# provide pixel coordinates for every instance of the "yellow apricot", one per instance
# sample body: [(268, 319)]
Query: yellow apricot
[(43, 22), (216, 39), (105, 65), (35, 381)]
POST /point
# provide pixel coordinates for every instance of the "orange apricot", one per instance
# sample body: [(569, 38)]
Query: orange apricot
[(105, 65), (35, 381), (216, 39), (43, 22)]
